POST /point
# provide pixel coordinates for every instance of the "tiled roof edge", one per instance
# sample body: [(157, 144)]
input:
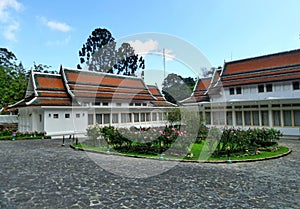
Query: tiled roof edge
[(264, 56)]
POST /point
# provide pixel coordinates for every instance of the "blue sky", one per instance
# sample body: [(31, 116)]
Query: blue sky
[(52, 32)]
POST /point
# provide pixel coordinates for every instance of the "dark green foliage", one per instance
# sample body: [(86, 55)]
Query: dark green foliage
[(174, 115), (241, 141), (13, 79), (99, 53), (43, 68), (147, 141), (177, 142), (175, 88), (8, 135)]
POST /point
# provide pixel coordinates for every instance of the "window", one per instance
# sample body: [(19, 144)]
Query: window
[(296, 117), (147, 116), (265, 118), (144, 104), (128, 117), (154, 116), (130, 104), (67, 115), (276, 118), (261, 88), (105, 103), (207, 118), (231, 91), (238, 90), (115, 118), (97, 103), (77, 115), (136, 117), (106, 118), (239, 118), (143, 117), (247, 118), (229, 118), (55, 116), (119, 104), (99, 118), (255, 118), (269, 87), (138, 104), (218, 118), (160, 116), (125, 117), (287, 118), (90, 119), (296, 85)]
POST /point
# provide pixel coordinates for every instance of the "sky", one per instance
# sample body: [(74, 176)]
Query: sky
[(195, 34)]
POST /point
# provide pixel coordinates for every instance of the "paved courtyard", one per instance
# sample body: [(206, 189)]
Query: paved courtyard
[(43, 174)]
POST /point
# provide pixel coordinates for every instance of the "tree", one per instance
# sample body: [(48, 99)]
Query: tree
[(43, 68), (174, 115), (13, 78), (99, 53), (175, 88)]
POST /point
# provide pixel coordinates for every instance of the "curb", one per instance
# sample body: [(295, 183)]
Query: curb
[(188, 161)]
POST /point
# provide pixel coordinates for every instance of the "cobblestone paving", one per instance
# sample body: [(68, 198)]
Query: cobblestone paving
[(43, 174)]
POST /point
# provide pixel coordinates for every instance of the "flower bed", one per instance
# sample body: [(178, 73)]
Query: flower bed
[(15, 135), (179, 142)]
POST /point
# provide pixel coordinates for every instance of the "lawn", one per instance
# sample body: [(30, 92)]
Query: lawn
[(199, 150)]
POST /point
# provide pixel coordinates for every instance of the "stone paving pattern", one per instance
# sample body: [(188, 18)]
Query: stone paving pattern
[(43, 174)]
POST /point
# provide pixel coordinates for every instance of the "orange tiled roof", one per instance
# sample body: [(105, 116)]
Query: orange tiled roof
[(56, 90), (200, 91), (87, 85), (159, 98), (49, 90), (48, 82), (269, 68), (288, 58)]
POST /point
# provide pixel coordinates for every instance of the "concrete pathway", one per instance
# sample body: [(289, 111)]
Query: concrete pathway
[(43, 174)]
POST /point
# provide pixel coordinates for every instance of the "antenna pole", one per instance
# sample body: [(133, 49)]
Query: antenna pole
[(164, 62)]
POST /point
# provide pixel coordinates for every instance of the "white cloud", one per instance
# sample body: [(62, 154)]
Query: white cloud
[(10, 31), (60, 26), (169, 55), (144, 48), (11, 25), (151, 46), (5, 6)]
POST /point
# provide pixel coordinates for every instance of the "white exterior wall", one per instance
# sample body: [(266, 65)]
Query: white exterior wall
[(76, 123), (250, 92), (25, 120)]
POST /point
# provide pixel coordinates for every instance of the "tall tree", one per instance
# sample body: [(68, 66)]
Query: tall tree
[(13, 78), (175, 88), (43, 68), (99, 53)]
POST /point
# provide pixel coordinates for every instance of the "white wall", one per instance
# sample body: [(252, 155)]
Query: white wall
[(77, 122), (250, 92)]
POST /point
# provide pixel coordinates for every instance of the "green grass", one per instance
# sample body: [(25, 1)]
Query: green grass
[(200, 152)]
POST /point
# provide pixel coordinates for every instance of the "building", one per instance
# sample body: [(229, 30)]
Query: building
[(74, 99), (261, 91), (8, 122)]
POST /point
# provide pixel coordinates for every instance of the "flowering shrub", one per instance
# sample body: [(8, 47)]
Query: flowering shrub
[(238, 140), (174, 141), (150, 140)]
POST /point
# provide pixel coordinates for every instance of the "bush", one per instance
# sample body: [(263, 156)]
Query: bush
[(237, 140)]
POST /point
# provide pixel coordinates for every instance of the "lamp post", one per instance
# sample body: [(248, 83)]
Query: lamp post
[(76, 144)]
